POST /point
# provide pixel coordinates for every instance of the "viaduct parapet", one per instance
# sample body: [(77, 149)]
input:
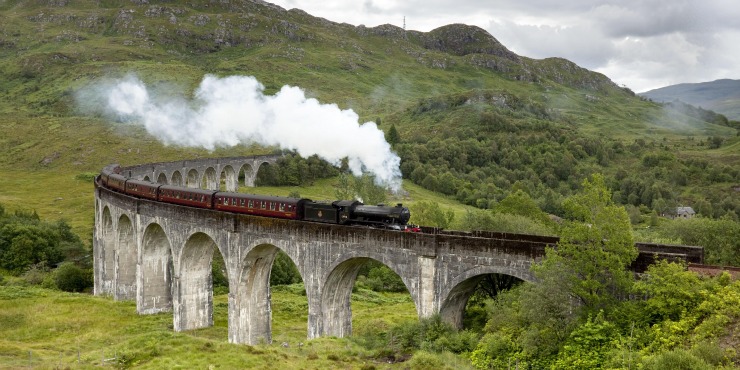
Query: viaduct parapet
[(160, 255), (208, 173)]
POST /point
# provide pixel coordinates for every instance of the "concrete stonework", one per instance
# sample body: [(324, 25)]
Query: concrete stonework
[(160, 255)]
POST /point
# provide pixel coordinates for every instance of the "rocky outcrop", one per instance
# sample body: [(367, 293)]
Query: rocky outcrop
[(461, 40)]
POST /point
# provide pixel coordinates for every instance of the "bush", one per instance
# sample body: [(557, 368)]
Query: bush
[(677, 359), (423, 360), (430, 334), (71, 278), (711, 353), (36, 274), (383, 279)]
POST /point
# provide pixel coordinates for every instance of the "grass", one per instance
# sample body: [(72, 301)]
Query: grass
[(44, 329)]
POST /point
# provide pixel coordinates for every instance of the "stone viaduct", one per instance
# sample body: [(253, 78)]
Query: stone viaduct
[(203, 173), (160, 255)]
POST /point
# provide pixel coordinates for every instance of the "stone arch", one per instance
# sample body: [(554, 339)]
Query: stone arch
[(252, 298), (193, 180), (336, 292), (146, 178), (228, 179), (256, 171), (107, 273), (177, 179), (156, 266), (162, 179), (210, 179), (126, 256), (456, 294), (193, 302)]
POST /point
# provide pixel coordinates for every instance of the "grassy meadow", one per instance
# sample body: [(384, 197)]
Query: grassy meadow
[(46, 329)]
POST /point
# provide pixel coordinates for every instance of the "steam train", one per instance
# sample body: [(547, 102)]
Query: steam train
[(342, 212)]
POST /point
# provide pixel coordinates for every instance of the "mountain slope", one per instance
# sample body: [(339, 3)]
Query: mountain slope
[(466, 107), (721, 96)]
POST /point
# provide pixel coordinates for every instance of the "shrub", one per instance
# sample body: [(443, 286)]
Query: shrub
[(423, 360), (678, 359), (36, 274), (383, 279), (711, 353), (71, 278)]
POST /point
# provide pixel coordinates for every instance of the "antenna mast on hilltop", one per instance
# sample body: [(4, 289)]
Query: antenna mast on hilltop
[(404, 23)]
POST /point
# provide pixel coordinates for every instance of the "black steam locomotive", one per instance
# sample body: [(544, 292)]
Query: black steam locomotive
[(343, 212)]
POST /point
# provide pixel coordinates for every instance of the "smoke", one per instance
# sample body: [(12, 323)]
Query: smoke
[(234, 110)]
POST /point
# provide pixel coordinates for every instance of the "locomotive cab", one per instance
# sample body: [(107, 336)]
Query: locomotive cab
[(345, 209)]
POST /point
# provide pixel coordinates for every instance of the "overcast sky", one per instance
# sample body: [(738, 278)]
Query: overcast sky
[(642, 44)]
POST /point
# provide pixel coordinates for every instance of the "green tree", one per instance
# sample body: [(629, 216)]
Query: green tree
[(393, 136), (25, 244), (431, 214), (720, 238), (370, 193), (595, 249), (284, 271), (671, 290), (344, 189), (520, 203)]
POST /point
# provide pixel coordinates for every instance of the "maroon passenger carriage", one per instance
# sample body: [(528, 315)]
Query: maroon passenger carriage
[(186, 196), (144, 189), (260, 205)]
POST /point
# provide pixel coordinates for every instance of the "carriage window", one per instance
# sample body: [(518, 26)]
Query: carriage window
[(226, 201), (251, 203), (242, 202), (263, 204), (233, 201), (272, 206), (282, 207)]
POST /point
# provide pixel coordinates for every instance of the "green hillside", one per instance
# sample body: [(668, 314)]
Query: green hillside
[(454, 92)]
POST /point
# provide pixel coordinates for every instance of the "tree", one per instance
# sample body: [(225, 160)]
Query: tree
[(720, 238), (520, 203), (343, 188), (25, 244), (393, 136), (431, 214), (670, 290), (368, 190), (595, 250), (284, 271)]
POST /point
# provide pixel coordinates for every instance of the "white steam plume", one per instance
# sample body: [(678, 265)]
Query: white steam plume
[(234, 110)]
